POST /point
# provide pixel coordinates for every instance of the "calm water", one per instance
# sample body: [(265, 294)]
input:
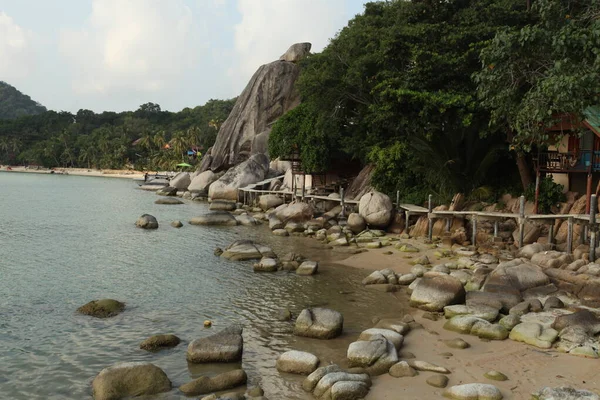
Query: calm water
[(66, 240)]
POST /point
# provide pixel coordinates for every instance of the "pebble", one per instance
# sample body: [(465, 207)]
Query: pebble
[(457, 343), (495, 376)]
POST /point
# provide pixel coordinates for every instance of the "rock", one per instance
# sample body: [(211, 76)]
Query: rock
[(176, 224), (510, 321), (103, 308), (158, 342), (225, 346), (167, 191), (250, 171), (438, 381), (266, 264), (530, 250), (356, 223), (486, 330), (296, 52), (201, 182), (504, 300), (246, 220), (308, 268), (394, 337), (401, 370), (477, 310), (275, 223), (246, 250), (406, 279), (376, 208), (473, 391), (147, 221), (124, 380), (224, 381), (433, 294), (425, 366), (181, 181), (457, 344), (374, 278), (168, 200), (418, 270), (297, 362), (325, 384), (313, 379), (284, 315), (377, 354), (319, 323), (215, 218), (293, 227), (534, 334), (295, 212), (495, 376), (349, 390), (585, 319), (281, 232), (269, 201), (394, 325), (222, 205), (522, 276), (564, 393)]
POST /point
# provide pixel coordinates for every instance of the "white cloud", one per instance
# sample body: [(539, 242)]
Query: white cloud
[(269, 27), (139, 45), (16, 53)]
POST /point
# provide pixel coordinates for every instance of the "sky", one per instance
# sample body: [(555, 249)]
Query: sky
[(114, 55)]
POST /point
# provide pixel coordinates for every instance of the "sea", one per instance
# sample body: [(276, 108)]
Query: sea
[(66, 240)]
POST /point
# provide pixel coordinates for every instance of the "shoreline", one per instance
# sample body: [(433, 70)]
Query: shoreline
[(105, 173)]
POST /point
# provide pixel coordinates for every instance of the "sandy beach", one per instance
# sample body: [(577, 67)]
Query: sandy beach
[(528, 368), (105, 173)]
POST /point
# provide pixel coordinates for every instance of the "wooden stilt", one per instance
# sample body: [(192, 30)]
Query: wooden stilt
[(570, 235), (342, 202), (588, 194), (592, 227), (521, 220), (496, 228), (551, 234), (448, 224), (303, 186), (474, 236), (430, 220), (537, 192)]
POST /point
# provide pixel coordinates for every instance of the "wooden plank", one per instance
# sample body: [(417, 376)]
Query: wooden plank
[(413, 208)]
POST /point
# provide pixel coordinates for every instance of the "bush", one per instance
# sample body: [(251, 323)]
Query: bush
[(551, 194)]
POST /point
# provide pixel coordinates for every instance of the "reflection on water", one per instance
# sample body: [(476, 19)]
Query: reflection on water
[(66, 240)]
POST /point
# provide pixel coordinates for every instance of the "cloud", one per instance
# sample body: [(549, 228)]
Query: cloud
[(138, 45), (269, 27), (16, 54)]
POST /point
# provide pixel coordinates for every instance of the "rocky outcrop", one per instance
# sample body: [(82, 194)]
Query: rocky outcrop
[(269, 94), (225, 346), (361, 185), (250, 171), (104, 308), (296, 52), (125, 380)]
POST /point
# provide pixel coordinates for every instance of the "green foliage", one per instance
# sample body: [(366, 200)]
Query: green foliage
[(551, 194), (112, 140), (531, 75), (14, 104)]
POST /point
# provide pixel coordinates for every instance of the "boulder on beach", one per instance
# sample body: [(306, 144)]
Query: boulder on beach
[(268, 201), (158, 342), (104, 308), (168, 200), (295, 212), (356, 223), (564, 393), (224, 346), (308, 268), (130, 379), (377, 354), (266, 264), (201, 182), (319, 323), (147, 221), (376, 208), (534, 334), (297, 362), (247, 220), (250, 171), (222, 205), (181, 181), (176, 224), (205, 384), (433, 294), (247, 250), (473, 391), (349, 385), (214, 218)]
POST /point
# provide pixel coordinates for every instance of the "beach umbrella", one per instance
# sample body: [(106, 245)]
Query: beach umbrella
[(184, 165)]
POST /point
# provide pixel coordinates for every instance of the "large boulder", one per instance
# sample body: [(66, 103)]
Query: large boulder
[(376, 208), (356, 223), (224, 346), (202, 181), (473, 391), (270, 93), (104, 308), (435, 293), (250, 171), (295, 212), (268, 201), (241, 250), (147, 221), (297, 362), (319, 323), (215, 218), (181, 181), (296, 52), (205, 384), (377, 354), (519, 275), (130, 379)]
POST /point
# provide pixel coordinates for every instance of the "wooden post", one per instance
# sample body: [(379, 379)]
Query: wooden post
[(551, 234), (244, 196), (592, 227), (293, 187), (303, 186), (537, 192), (430, 220), (570, 235), (448, 224), (474, 236), (496, 228), (521, 220), (397, 199), (342, 202), (588, 194), (407, 215)]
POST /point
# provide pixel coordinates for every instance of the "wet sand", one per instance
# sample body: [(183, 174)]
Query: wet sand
[(528, 369), (106, 173)]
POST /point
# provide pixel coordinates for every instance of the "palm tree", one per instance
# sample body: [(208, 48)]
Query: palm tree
[(179, 143)]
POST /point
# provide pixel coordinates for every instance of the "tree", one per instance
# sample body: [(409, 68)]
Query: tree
[(14, 104), (531, 76)]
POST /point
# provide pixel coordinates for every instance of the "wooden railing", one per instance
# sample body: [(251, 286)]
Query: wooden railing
[(572, 161)]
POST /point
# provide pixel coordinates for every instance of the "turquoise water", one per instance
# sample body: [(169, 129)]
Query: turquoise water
[(66, 240)]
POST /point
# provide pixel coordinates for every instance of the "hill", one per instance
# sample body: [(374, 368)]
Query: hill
[(14, 104)]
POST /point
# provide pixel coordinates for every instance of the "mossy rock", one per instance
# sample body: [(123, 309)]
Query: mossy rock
[(103, 308), (495, 376), (158, 342)]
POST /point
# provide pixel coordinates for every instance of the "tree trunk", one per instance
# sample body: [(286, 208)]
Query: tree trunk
[(524, 171)]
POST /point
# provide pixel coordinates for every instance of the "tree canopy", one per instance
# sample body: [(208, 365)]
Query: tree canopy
[(14, 104)]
